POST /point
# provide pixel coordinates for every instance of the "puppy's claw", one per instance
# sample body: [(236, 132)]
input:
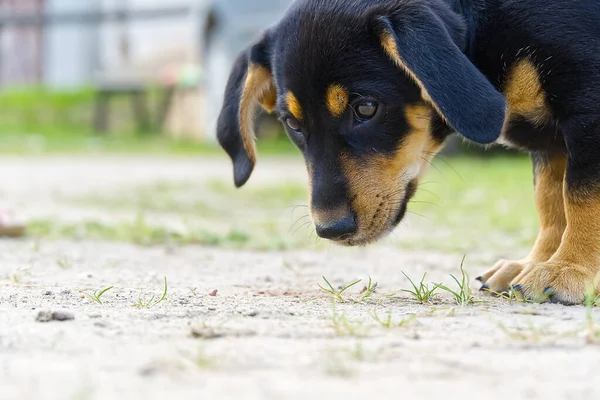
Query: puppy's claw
[(549, 291), (479, 278), (484, 288), (517, 288)]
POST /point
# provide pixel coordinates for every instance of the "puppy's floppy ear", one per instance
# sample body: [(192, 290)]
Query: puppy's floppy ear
[(423, 42), (250, 83)]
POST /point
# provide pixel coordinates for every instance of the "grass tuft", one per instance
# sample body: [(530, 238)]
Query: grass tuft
[(422, 292), (337, 293), (369, 290), (96, 295), (152, 302), (388, 322), (464, 295)]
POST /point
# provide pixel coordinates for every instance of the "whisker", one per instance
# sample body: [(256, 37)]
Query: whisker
[(443, 159), (430, 192), (298, 220), (425, 202), (420, 215), (301, 226), (433, 166)]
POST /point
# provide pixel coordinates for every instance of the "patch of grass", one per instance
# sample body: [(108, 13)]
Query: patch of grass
[(345, 327), (471, 203), (152, 301), (36, 120), (368, 291), (280, 195), (18, 276), (337, 293), (64, 263), (203, 361), (464, 294), (422, 292), (592, 330), (96, 295), (534, 333), (137, 232), (388, 322)]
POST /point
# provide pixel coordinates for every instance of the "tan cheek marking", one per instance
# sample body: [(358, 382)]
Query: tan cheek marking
[(337, 100), (294, 106), (259, 82), (524, 93), (373, 180), (391, 48), (419, 118)]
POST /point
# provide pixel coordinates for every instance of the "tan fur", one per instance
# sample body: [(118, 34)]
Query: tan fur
[(550, 206), (524, 93), (257, 87), (575, 266), (498, 279), (337, 98), (374, 207), (294, 106), (268, 101)]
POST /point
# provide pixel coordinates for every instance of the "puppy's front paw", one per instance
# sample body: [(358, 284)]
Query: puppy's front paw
[(498, 279), (556, 282)]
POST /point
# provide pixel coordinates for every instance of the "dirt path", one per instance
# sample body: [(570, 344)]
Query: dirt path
[(270, 332)]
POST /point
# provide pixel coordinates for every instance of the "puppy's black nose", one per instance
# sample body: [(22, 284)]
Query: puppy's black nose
[(338, 230)]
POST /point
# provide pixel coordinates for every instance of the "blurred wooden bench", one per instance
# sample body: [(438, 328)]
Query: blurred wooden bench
[(148, 118)]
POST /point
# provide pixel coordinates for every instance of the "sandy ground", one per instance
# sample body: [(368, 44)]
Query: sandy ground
[(270, 332)]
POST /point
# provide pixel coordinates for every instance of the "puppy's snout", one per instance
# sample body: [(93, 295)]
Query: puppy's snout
[(338, 229)]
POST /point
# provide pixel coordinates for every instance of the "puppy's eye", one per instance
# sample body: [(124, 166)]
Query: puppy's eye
[(293, 124), (365, 110)]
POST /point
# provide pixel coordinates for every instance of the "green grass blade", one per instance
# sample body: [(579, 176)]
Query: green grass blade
[(350, 285)]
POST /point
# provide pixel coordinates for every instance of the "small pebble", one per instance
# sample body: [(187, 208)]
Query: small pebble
[(206, 333), (47, 316), (48, 293), (213, 293), (148, 371)]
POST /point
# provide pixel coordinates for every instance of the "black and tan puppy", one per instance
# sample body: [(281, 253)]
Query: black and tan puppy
[(369, 90)]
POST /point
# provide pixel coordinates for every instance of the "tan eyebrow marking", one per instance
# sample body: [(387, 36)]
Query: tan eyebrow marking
[(294, 106), (337, 99)]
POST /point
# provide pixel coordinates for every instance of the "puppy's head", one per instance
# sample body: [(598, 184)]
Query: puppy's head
[(368, 91)]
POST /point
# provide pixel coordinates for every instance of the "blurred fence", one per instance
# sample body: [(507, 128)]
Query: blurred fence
[(21, 49), (27, 27)]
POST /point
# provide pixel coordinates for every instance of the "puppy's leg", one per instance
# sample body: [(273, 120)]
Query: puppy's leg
[(549, 172), (574, 268)]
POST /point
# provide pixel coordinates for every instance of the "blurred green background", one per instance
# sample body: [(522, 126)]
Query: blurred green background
[(143, 83)]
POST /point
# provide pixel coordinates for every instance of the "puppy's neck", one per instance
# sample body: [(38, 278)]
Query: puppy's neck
[(470, 11)]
